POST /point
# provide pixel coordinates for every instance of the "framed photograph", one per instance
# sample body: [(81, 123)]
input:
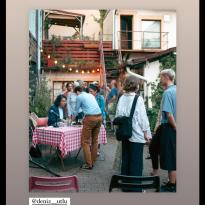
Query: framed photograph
[(102, 106)]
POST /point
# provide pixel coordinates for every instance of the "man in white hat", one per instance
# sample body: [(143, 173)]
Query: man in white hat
[(71, 102)]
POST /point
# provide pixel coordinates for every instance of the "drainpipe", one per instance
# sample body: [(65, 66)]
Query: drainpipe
[(136, 75), (113, 37), (81, 28), (149, 103), (38, 42)]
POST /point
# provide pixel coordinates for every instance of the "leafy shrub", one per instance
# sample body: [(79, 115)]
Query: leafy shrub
[(166, 62), (41, 102)]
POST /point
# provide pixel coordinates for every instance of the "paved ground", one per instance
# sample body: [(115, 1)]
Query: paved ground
[(96, 180)]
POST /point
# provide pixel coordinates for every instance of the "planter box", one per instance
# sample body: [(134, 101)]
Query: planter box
[(71, 65), (91, 45)]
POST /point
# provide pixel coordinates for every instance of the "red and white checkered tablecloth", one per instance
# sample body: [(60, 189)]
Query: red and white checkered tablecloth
[(67, 139)]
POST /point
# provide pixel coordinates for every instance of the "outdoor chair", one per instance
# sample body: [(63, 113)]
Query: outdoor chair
[(54, 183), (38, 121), (135, 182), (35, 121)]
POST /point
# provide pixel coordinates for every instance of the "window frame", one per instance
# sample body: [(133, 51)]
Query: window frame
[(160, 32)]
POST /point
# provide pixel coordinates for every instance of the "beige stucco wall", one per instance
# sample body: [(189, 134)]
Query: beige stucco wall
[(168, 19), (90, 27), (66, 77), (108, 27), (151, 73), (57, 76)]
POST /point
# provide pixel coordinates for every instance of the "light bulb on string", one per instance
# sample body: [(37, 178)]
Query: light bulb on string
[(82, 71), (70, 69), (63, 66), (49, 56), (98, 70), (93, 71), (55, 61), (76, 71)]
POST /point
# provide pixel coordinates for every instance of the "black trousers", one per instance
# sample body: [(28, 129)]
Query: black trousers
[(167, 147), (154, 149), (132, 161), (79, 116), (132, 158)]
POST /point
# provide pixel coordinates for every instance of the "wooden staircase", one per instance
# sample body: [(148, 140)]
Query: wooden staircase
[(111, 64)]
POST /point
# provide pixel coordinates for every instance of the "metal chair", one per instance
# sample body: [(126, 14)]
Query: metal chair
[(54, 183), (132, 183)]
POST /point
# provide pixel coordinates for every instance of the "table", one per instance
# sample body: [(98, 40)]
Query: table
[(66, 139)]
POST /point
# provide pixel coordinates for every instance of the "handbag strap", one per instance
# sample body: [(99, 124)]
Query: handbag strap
[(133, 105)]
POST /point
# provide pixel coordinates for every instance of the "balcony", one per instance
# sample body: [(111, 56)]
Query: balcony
[(141, 40)]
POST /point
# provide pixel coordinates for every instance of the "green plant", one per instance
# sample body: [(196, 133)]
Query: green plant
[(47, 25), (81, 62), (55, 41), (41, 101), (168, 61), (100, 20), (33, 76), (68, 60), (86, 38), (76, 35), (111, 63)]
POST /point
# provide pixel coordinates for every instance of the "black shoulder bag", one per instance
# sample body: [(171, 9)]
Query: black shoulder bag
[(124, 124)]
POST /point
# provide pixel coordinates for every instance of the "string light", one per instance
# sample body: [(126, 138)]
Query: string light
[(49, 56), (82, 71), (98, 70), (70, 69), (76, 71), (41, 50), (88, 71), (63, 66), (93, 71), (55, 61)]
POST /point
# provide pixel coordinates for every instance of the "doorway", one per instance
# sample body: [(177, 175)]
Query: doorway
[(126, 31)]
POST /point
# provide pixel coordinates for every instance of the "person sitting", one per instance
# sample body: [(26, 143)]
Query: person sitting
[(56, 113)]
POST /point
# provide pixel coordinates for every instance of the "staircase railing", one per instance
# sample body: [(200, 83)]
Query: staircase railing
[(120, 60), (102, 62)]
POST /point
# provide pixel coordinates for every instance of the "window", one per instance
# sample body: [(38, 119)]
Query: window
[(151, 34)]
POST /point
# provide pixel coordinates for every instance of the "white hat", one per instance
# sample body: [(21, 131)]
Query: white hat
[(80, 82), (76, 84)]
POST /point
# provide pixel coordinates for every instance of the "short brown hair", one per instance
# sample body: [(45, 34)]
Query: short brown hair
[(131, 84), (77, 89)]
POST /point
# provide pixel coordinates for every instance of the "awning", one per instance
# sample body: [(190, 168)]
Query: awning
[(149, 58), (64, 18)]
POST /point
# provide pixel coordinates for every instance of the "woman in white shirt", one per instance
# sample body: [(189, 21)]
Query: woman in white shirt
[(132, 149)]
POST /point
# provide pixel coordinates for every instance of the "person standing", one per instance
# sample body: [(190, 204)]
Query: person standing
[(132, 149), (91, 125), (95, 90), (112, 101), (69, 90), (168, 128), (71, 103)]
